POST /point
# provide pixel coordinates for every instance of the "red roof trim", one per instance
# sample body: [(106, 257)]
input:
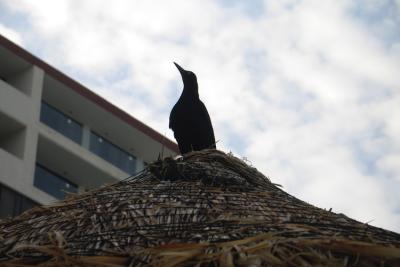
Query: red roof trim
[(84, 91)]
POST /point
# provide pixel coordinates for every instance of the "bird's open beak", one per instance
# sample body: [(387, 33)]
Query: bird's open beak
[(181, 70)]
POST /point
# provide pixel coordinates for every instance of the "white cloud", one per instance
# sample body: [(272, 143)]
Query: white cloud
[(304, 90), (10, 34)]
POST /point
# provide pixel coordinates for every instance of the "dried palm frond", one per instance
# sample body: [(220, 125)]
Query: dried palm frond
[(207, 208)]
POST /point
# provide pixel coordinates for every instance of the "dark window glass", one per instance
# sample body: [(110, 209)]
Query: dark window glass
[(113, 154), (61, 122), (7, 200), (13, 203), (52, 183)]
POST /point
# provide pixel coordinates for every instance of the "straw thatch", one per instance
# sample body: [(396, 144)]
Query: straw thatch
[(205, 209)]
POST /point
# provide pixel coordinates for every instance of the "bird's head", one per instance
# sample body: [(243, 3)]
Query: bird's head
[(189, 79)]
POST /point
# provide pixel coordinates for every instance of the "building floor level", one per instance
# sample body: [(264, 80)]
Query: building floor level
[(57, 137)]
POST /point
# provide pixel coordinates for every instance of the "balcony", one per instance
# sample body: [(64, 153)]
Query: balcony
[(98, 145), (53, 183), (12, 136), (61, 122), (73, 161), (112, 153), (15, 71)]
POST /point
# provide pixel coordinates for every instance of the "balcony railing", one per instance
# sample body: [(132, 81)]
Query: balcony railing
[(61, 122), (100, 146), (112, 153), (52, 183)]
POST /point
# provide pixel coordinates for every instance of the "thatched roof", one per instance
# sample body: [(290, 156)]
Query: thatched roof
[(206, 209)]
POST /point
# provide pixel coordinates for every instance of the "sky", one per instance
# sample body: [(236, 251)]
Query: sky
[(308, 92)]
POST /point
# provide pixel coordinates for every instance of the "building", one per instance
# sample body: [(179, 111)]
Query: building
[(57, 136)]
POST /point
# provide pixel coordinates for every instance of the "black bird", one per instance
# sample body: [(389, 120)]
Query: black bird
[(189, 118)]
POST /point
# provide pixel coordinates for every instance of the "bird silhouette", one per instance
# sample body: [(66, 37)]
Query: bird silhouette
[(189, 118)]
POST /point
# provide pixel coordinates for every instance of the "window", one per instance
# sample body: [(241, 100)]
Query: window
[(13, 203), (113, 154), (52, 183), (61, 122)]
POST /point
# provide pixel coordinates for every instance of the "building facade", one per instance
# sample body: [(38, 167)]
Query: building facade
[(58, 137)]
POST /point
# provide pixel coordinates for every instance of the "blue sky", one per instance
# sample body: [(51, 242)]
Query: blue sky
[(308, 91)]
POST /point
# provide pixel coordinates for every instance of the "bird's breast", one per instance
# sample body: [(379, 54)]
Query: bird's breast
[(184, 113)]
